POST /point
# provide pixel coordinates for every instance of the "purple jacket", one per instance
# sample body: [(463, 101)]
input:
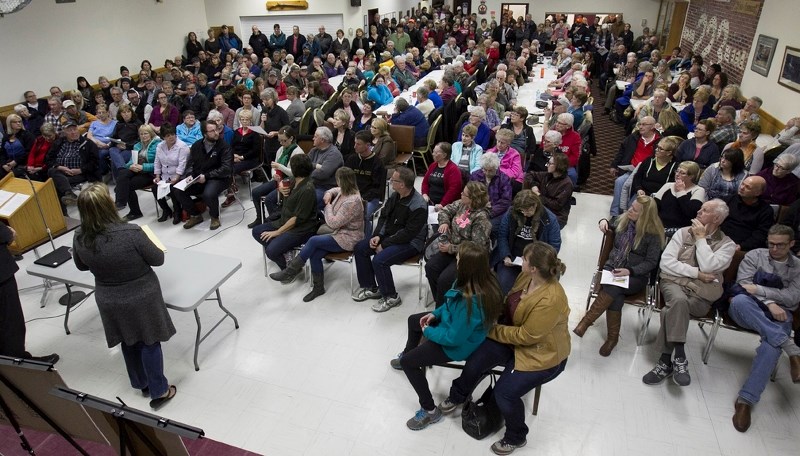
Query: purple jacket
[(499, 191)]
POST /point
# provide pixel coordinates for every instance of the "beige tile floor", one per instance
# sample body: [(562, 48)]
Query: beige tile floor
[(314, 378)]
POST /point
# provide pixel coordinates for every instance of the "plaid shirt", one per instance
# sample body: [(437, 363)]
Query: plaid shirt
[(56, 121), (69, 155)]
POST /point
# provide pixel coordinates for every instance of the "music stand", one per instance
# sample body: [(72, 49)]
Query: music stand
[(25, 403), (136, 432)]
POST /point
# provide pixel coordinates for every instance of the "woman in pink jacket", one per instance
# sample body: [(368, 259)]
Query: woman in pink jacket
[(510, 159), (344, 217)]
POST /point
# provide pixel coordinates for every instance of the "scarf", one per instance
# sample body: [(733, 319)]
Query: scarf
[(619, 256), (284, 158)]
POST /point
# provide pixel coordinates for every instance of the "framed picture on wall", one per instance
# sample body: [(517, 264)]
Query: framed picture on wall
[(790, 69), (762, 58)]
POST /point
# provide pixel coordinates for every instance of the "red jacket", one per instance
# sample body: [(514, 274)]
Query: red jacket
[(571, 146), (452, 183)]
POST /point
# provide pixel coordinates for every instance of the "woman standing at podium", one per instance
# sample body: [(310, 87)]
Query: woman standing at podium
[(128, 293)]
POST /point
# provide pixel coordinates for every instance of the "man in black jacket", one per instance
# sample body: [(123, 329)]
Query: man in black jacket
[(210, 163), (750, 216), (197, 102), (370, 175), (400, 235), (12, 320), (71, 161)]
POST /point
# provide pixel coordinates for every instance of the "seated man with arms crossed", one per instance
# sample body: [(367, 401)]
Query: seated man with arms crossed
[(399, 235), (750, 216), (767, 309), (691, 280)]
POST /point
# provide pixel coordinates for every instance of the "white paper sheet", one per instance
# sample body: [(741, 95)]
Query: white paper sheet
[(183, 184), (609, 279), (433, 216), (258, 130), (14, 203), (5, 196), (163, 189)]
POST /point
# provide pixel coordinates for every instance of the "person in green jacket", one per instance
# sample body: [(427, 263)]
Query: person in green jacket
[(454, 330), (138, 172)]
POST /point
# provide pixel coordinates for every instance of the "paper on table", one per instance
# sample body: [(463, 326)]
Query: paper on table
[(5, 196), (183, 184), (14, 203), (258, 130), (153, 238), (608, 279), (163, 189)]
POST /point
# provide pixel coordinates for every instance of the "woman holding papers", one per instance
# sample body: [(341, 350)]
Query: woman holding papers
[(168, 169), (128, 294), (637, 249), (138, 172)]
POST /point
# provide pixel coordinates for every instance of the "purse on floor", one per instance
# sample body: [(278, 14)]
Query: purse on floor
[(482, 418)]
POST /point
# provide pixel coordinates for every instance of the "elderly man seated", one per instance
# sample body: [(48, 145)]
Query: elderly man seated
[(326, 159), (769, 280), (726, 130), (71, 160), (750, 216), (691, 280), (401, 74)]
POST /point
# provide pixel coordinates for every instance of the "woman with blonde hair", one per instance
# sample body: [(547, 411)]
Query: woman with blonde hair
[(679, 201), (138, 172), (343, 137), (639, 239), (127, 292), (383, 145), (731, 96), (344, 218), (669, 124)]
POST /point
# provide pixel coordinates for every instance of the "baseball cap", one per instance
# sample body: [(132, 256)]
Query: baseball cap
[(67, 103)]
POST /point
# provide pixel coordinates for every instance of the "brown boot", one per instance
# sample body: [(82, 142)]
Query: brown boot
[(614, 322), (600, 304)]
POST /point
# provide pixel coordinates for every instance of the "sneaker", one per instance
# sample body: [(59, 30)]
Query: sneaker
[(366, 293), (423, 419), (69, 199), (681, 376), (658, 374), (447, 406), (395, 362), (504, 447), (385, 304)]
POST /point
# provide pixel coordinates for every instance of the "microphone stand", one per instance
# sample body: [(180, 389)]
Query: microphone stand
[(70, 296)]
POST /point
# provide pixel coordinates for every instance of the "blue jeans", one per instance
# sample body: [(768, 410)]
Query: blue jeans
[(145, 365), (572, 173), (372, 206), (261, 191), (316, 248), (748, 314), (618, 183), (510, 388), (506, 276), (376, 272), (277, 246), (118, 158)]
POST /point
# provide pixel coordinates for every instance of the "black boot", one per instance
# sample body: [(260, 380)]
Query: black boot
[(318, 280), (291, 272)]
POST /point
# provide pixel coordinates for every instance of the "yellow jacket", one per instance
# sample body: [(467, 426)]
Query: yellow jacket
[(540, 335)]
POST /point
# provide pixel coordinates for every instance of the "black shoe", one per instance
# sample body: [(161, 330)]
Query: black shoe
[(131, 216), (254, 223), (51, 358), (164, 217)]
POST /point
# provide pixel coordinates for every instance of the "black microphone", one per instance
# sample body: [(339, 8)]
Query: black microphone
[(41, 212)]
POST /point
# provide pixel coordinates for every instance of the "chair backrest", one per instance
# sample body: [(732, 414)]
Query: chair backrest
[(403, 136), (432, 132), (305, 122), (319, 117), (729, 275), (605, 249)]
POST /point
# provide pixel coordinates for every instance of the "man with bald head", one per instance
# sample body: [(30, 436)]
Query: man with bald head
[(750, 216), (691, 280)]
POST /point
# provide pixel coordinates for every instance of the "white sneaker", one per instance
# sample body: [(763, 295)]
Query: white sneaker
[(385, 304)]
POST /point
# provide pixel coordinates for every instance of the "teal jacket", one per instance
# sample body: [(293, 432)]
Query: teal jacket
[(148, 165), (457, 335)]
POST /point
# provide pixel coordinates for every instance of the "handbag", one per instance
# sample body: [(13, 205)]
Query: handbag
[(482, 418), (325, 229)]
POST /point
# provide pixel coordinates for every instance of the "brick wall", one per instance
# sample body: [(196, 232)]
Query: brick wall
[(722, 31)]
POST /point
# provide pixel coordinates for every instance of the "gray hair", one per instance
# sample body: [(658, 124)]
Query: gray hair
[(215, 115), (721, 209), (20, 108), (478, 111), (660, 92), (270, 93), (325, 134), (553, 136), (787, 161), (566, 118), (491, 161)]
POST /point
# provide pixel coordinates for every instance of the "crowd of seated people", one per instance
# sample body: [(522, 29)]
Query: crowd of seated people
[(499, 197)]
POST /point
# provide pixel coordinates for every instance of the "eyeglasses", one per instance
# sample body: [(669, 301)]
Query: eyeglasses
[(778, 245), (776, 165), (663, 149)]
